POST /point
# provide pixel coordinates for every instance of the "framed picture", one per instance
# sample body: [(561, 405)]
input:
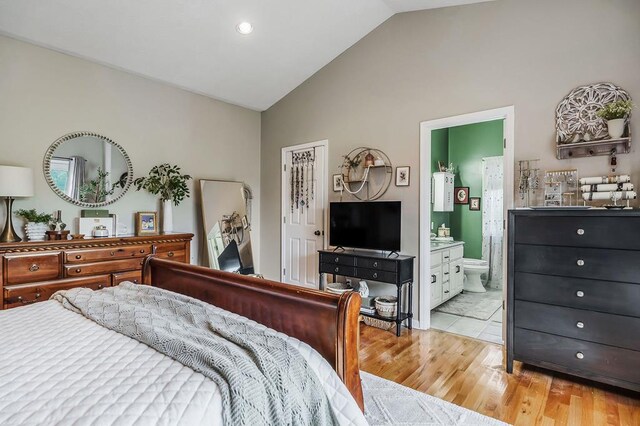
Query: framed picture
[(337, 183), (474, 203), (147, 223), (402, 175), (461, 195), (245, 222)]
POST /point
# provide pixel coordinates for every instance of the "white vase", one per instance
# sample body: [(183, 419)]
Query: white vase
[(167, 216), (616, 128), (36, 231)]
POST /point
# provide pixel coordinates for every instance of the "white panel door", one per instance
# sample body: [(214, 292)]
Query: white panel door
[(303, 226)]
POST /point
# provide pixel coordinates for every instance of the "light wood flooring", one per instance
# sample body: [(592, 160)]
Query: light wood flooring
[(470, 373)]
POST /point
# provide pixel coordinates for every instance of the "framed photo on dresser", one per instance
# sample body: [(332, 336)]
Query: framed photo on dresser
[(147, 223)]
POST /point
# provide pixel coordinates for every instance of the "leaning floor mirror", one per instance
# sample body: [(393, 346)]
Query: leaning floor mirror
[(226, 216)]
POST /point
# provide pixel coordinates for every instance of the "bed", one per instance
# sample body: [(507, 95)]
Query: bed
[(92, 375)]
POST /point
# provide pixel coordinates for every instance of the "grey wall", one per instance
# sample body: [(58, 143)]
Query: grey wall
[(46, 94), (430, 64)]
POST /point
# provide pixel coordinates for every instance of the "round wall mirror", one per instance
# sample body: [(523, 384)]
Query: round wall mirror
[(88, 169)]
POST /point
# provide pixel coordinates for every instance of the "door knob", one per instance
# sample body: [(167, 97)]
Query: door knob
[(317, 233)]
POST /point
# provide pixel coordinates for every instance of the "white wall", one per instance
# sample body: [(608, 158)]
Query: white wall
[(46, 94), (438, 63)]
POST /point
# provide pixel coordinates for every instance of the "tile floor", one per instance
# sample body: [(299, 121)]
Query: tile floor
[(489, 330)]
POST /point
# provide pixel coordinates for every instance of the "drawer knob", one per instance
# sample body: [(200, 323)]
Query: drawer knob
[(580, 262), (99, 286), (375, 264), (375, 275), (579, 355), (141, 250), (113, 253), (580, 293), (78, 256), (78, 270), (34, 268), (580, 231), (337, 259), (457, 268), (580, 324), (170, 254), (446, 291), (135, 281), (337, 269), (433, 279), (27, 302)]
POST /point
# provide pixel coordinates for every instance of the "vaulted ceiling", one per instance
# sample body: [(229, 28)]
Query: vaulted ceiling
[(194, 44)]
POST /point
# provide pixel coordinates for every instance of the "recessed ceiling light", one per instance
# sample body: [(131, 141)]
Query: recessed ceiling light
[(244, 28)]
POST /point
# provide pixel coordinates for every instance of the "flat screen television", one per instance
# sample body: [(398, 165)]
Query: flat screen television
[(373, 225)]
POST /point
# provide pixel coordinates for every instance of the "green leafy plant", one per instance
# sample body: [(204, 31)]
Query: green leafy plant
[(352, 163), (95, 191), (615, 110), (33, 216), (167, 181)]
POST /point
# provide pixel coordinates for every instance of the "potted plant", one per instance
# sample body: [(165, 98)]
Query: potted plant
[(352, 165), (616, 114), (168, 182), (37, 223)]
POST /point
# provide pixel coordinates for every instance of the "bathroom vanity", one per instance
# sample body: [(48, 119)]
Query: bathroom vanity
[(447, 271)]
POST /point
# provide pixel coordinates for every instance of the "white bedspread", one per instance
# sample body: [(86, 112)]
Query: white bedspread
[(57, 367)]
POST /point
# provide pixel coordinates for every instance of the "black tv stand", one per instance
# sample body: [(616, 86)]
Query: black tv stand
[(397, 270)]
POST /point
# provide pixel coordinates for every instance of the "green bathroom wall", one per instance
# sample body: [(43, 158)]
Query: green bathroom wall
[(468, 145), (439, 152)]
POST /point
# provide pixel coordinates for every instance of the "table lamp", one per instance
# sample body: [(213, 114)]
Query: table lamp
[(15, 182)]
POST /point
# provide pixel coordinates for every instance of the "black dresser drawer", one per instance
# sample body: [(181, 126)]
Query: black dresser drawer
[(595, 232), (600, 264), (598, 327), (383, 265), (374, 275), (347, 271), (338, 259), (585, 359), (602, 296)]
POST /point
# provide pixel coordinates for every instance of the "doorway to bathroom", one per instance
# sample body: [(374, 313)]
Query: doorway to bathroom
[(467, 185)]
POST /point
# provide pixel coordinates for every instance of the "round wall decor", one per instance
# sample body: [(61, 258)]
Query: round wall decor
[(366, 173), (576, 118)]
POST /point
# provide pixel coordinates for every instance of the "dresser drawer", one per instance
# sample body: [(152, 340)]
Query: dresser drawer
[(375, 275), (167, 247), (600, 264), (586, 359), (598, 327), (378, 264), (26, 294), (456, 253), (25, 268), (348, 271), (102, 267), (94, 255), (178, 255), (603, 296), (338, 259), (133, 276), (579, 231)]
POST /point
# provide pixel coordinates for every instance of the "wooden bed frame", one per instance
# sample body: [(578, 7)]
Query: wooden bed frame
[(326, 322)]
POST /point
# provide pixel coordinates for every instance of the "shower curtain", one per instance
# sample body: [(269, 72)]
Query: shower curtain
[(492, 216)]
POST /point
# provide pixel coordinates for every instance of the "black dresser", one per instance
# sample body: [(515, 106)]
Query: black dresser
[(397, 270), (573, 295)]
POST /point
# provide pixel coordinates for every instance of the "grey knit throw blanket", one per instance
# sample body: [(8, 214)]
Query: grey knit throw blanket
[(263, 379)]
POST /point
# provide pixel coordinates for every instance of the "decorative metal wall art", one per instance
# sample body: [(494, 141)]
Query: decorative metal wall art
[(576, 119), (363, 178), (301, 178)]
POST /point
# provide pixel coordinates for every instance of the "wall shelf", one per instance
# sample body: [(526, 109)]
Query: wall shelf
[(593, 148)]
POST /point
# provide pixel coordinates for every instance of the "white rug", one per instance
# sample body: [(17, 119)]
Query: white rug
[(387, 403), (473, 305)]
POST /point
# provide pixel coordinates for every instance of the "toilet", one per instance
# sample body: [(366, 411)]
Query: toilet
[(473, 268)]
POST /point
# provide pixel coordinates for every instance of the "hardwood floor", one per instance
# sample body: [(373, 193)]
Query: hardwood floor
[(470, 373)]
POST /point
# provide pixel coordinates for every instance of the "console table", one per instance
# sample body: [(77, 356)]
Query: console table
[(396, 270)]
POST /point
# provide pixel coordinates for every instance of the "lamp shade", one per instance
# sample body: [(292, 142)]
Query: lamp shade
[(16, 181)]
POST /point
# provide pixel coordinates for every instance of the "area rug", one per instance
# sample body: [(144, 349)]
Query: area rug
[(473, 305), (387, 403)]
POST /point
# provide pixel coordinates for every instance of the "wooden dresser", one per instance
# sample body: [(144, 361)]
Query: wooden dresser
[(33, 271), (574, 293)]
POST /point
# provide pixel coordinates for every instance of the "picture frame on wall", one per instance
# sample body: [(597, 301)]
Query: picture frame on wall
[(245, 222), (461, 195), (403, 175), (147, 223), (474, 203), (337, 183)]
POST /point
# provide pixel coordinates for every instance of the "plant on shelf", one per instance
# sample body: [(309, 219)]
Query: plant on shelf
[(37, 223), (616, 114), (168, 182), (352, 165)]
